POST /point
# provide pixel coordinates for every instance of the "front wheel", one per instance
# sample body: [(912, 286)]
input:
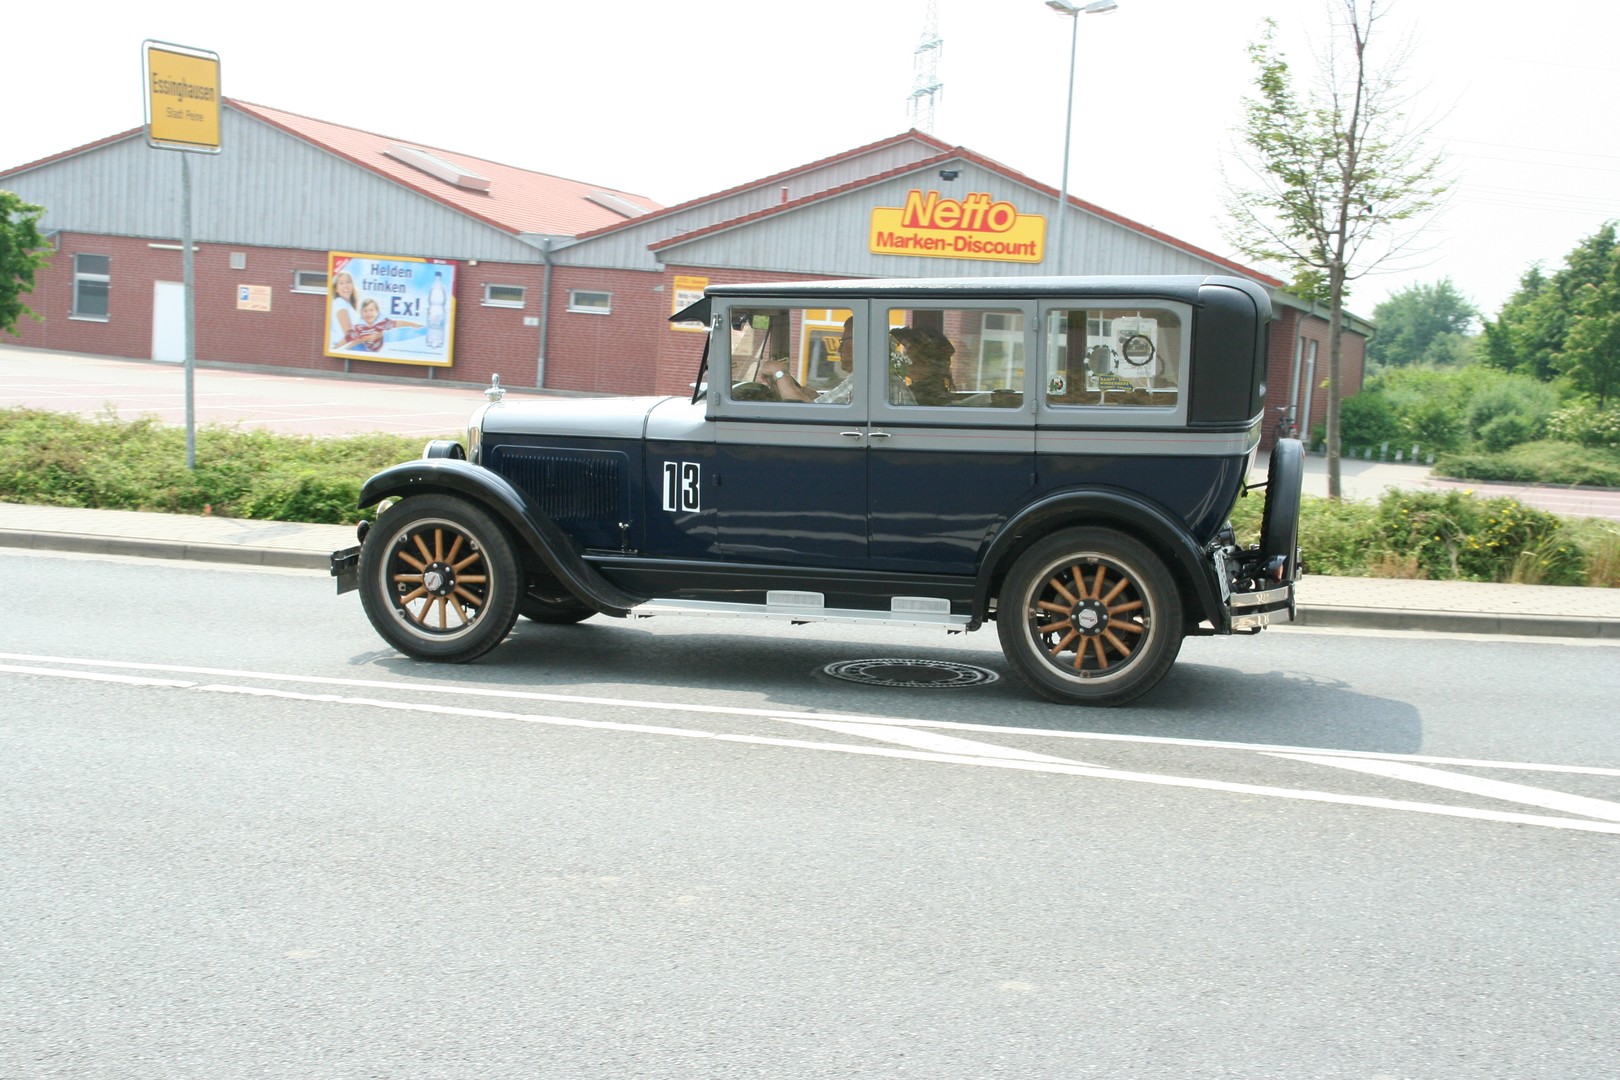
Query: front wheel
[(439, 579), (1090, 617)]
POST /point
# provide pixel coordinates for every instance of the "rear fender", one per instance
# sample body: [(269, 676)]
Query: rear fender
[(1193, 569), (529, 525)]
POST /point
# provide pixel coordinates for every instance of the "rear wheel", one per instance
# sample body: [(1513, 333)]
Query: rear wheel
[(1090, 617), (439, 579)]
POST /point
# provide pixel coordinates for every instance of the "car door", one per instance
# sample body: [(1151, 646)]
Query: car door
[(789, 475), (951, 436)]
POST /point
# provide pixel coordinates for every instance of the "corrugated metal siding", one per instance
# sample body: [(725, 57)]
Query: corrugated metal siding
[(265, 188), (626, 249), (829, 238)]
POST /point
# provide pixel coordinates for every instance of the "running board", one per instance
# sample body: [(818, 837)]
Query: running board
[(808, 607)]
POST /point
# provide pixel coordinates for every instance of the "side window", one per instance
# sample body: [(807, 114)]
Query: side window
[(1123, 357), (790, 354), (970, 357), (92, 284)]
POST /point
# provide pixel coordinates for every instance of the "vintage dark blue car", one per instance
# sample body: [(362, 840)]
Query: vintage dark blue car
[(1056, 455)]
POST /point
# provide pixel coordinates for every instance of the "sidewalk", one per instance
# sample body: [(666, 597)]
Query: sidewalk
[(1367, 603)]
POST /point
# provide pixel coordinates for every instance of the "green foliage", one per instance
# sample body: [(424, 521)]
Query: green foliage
[(21, 254), (1424, 324), (1368, 419), (61, 460), (1451, 535), (1584, 423), (1446, 535), (1537, 463), (1568, 323), (1591, 356), (1444, 410)]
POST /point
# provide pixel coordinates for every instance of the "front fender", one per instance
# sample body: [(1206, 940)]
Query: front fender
[(1107, 508), (495, 493)]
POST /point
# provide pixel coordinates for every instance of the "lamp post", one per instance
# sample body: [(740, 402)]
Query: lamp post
[(1073, 11)]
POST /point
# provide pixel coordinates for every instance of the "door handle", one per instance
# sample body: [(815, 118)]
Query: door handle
[(879, 434), (852, 434)]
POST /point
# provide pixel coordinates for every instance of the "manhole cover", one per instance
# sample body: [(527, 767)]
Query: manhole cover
[(923, 674)]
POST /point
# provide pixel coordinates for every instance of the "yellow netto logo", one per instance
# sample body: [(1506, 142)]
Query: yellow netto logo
[(976, 227)]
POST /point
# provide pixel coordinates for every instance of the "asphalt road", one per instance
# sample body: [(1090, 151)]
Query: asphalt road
[(241, 837)]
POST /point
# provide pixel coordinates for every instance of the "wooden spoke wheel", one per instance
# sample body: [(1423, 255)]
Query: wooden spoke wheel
[(439, 579), (1091, 617)]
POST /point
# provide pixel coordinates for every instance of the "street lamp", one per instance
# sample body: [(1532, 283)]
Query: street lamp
[(1073, 11)]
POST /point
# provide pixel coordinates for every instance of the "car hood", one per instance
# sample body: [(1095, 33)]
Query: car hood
[(598, 418)]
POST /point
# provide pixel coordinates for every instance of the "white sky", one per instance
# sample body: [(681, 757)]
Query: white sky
[(678, 98)]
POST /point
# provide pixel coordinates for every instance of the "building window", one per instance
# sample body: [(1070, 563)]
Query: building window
[(594, 303), (309, 281), (91, 284), (503, 296)]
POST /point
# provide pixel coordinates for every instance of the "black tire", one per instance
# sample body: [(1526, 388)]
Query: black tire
[(1090, 617), (1279, 521), (554, 612), (439, 579)]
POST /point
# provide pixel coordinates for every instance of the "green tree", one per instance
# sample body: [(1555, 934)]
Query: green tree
[(21, 253), (1336, 179), (1591, 356), (1420, 325), (1529, 334)]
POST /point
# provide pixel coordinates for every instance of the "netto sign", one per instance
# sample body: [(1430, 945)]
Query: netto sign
[(977, 227)]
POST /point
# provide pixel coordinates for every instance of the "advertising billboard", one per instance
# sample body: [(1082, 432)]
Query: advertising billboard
[(392, 308)]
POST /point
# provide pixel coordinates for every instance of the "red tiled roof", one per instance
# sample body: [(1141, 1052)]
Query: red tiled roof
[(518, 200)]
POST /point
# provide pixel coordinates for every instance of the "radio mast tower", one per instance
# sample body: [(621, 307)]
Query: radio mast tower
[(925, 86)]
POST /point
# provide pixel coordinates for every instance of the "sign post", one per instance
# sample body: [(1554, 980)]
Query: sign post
[(182, 113)]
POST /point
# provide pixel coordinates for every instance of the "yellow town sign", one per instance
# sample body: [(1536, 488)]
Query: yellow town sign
[(977, 227)]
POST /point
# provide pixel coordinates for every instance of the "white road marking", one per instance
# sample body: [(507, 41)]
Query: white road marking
[(903, 730), (1474, 785), (924, 740), (462, 691), (1053, 766), (97, 676)]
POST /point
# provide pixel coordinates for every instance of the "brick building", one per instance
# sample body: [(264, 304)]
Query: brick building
[(557, 284)]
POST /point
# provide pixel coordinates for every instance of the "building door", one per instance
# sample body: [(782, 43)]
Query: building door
[(169, 321)]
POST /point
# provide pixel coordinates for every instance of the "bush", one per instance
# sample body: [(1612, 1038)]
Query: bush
[(1504, 432), (1450, 535), (1505, 410), (1537, 463), (1584, 423), (107, 463), (1367, 419)]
